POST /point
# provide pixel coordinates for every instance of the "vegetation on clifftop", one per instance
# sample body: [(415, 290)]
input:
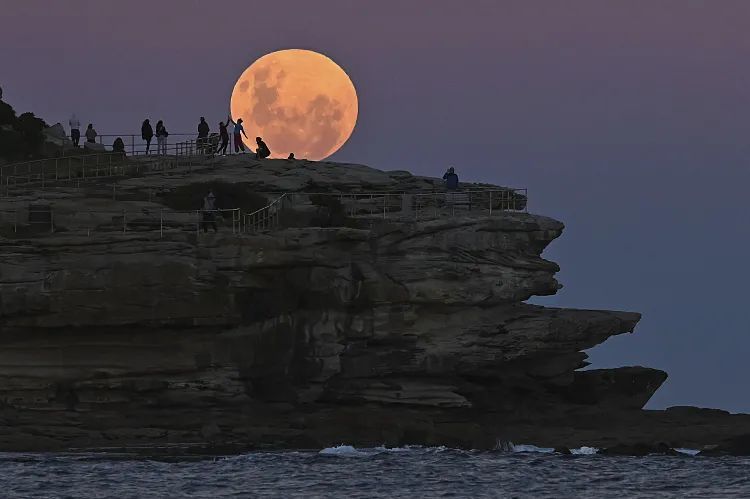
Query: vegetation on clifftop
[(21, 136)]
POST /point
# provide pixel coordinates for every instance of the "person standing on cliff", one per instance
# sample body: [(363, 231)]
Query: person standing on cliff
[(239, 131), (209, 212), (75, 129), (203, 131), (224, 136), (451, 179), (161, 138), (451, 185), (147, 134)]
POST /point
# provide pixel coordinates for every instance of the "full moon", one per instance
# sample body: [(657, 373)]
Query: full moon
[(298, 101)]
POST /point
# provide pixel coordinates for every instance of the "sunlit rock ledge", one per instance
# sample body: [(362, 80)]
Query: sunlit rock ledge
[(330, 328)]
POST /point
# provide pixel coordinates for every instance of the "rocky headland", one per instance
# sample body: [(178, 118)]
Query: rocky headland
[(346, 321)]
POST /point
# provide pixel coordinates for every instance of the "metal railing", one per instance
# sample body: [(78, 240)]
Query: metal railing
[(396, 206), (134, 143), (422, 205), (265, 218), (45, 172), (176, 144), (47, 219)]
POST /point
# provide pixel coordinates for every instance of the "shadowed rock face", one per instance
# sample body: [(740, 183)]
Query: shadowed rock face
[(397, 333)]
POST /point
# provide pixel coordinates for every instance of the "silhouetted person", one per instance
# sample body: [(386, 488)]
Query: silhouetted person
[(90, 134), (451, 179), (209, 211), (239, 131), (161, 138), (118, 146), (147, 134), (75, 130), (224, 135), (203, 130), (262, 151), (291, 157)]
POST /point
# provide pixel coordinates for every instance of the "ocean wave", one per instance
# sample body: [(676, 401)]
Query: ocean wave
[(351, 451), (532, 448), (688, 452), (527, 448), (584, 451)]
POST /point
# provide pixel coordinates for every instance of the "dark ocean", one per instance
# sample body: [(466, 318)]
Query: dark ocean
[(352, 473)]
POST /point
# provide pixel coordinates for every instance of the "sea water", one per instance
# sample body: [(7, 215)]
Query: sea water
[(349, 472)]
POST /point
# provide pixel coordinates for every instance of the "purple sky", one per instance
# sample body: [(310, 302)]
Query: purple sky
[(626, 119)]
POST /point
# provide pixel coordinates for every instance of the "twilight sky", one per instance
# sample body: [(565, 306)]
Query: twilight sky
[(626, 119)]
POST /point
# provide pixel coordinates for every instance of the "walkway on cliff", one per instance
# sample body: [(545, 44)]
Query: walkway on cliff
[(108, 193)]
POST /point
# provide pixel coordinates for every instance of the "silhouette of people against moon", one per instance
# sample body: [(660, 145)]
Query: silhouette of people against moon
[(262, 152)]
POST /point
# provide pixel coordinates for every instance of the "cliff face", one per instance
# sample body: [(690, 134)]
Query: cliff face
[(390, 332)]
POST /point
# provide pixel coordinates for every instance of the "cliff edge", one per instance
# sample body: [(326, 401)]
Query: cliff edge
[(344, 319)]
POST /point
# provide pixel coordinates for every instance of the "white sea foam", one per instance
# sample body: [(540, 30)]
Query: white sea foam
[(532, 448), (584, 451), (350, 451), (689, 452), (342, 450)]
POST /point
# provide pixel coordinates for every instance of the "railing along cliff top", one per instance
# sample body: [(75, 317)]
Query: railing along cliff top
[(372, 206)]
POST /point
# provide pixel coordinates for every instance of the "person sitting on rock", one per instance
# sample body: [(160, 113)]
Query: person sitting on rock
[(262, 151), (118, 146), (291, 157), (90, 134), (451, 179)]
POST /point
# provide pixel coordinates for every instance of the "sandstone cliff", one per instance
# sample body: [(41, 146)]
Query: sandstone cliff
[(330, 328)]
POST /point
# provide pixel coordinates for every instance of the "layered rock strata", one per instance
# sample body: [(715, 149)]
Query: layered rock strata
[(385, 332)]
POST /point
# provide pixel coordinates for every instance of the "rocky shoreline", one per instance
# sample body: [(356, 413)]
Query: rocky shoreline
[(333, 328)]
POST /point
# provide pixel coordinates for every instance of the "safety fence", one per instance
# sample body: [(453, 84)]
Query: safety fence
[(48, 219), (42, 173), (174, 144), (285, 209), (135, 145), (396, 206)]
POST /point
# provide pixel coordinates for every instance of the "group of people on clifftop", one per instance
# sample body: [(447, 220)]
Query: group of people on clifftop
[(204, 139), (206, 142)]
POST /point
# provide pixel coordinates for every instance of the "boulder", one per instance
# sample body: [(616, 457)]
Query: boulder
[(94, 147), (737, 446)]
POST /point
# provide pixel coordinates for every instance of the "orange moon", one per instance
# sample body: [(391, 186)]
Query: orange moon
[(298, 101)]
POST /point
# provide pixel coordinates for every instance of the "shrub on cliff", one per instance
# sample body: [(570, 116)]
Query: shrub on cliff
[(20, 137)]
